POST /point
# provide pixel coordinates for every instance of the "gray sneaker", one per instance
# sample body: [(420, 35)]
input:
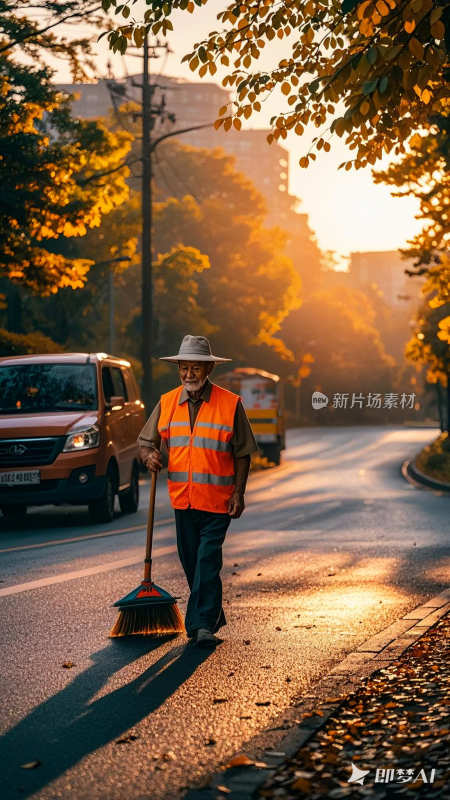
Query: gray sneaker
[(205, 638)]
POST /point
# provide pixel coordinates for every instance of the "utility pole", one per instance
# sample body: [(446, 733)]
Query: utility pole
[(147, 238)]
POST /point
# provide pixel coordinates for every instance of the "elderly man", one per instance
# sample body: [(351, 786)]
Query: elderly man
[(210, 441)]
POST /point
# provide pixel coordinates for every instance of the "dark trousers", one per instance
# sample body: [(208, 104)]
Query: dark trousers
[(200, 536)]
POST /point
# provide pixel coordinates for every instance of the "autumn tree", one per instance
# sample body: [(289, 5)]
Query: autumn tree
[(424, 173), (251, 285), (385, 60), (429, 346), (59, 175), (34, 30), (344, 353), (81, 321)]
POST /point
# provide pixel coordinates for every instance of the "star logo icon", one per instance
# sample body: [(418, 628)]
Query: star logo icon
[(358, 775)]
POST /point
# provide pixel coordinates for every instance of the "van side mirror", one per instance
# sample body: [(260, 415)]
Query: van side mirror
[(115, 403)]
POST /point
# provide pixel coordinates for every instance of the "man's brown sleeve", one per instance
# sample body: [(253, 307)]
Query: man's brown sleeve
[(149, 435), (243, 441)]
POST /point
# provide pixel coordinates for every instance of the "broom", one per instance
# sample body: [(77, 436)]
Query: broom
[(148, 609)]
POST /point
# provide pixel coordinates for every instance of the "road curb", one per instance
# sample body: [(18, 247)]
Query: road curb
[(414, 476), (380, 650)]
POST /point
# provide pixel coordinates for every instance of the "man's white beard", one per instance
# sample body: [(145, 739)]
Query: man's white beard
[(194, 387)]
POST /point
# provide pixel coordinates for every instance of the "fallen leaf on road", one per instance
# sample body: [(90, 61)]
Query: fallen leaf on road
[(169, 756), (223, 789), (210, 743), (263, 703), (302, 784), (299, 773), (240, 761), (246, 641), (260, 764), (248, 717), (220, 700), (234, 573), (278, 628), (235, 565), (68, 665), (32, 765), (258, 574)]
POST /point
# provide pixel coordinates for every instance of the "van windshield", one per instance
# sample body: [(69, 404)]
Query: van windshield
[(32, 388)]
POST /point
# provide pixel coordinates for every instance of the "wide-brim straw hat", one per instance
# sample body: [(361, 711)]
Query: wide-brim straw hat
[(195, 348)]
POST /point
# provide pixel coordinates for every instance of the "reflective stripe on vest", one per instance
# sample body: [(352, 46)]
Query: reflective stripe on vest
[(179, 441), (214, 425), (213, 480), (178, 477), (202, 477), (209, 444), (201, 467)]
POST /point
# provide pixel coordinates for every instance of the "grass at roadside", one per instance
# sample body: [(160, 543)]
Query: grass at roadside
[(398, 721), (434, 459)]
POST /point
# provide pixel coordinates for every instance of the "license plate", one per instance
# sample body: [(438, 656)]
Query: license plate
[(20, 478)]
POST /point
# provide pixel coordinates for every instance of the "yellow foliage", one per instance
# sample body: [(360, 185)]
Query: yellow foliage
[(74, 184), (444, 333)]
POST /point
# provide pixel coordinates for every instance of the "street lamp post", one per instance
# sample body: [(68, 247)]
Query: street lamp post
[(112, 262), (111, 311)]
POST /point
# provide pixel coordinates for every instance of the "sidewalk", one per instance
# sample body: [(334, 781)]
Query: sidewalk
[(396, 728)]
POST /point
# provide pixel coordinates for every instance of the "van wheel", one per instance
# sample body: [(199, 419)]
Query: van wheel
[(14, 510), (102, 509), (129, 500)]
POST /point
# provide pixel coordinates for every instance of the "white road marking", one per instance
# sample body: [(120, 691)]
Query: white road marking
[(82, 573), (82, 538)]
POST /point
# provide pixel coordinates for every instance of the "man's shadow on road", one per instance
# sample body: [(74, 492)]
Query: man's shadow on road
[(67, 726)]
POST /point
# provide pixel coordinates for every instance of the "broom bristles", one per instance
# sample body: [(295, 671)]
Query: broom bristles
[(160, 619)]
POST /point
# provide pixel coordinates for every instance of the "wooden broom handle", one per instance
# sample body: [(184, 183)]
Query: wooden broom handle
[(151, 516)]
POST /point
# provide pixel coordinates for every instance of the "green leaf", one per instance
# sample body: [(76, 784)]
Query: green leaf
[(314, 86), (348, 6), (383, 84), (202, 55), (372, 54), (369, 86)]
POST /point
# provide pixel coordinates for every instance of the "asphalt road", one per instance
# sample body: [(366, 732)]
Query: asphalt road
[(334, 545)]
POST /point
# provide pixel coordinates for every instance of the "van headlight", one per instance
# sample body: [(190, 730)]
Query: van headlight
[(83, 439)]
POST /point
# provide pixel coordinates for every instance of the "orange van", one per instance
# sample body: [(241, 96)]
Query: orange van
[(68, 433)]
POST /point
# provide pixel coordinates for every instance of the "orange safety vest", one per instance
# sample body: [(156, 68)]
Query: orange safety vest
[(201, 462)]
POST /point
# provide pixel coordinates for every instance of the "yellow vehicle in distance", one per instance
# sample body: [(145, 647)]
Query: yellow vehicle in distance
[(262, 396)]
